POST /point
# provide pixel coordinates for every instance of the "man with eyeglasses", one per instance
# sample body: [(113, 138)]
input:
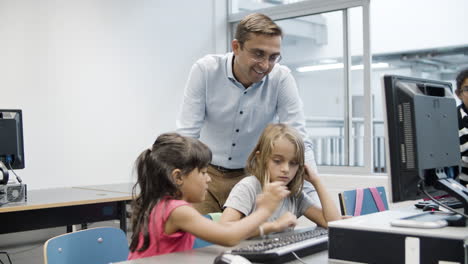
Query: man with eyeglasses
[(230, 98), (462, 92)]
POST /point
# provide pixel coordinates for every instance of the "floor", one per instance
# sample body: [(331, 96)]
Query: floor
[(27, 247)]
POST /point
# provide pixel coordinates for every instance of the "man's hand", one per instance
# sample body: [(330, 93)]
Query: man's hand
[(310, 174)]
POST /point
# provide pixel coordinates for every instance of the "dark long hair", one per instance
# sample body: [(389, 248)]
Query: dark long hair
[(154, 167)]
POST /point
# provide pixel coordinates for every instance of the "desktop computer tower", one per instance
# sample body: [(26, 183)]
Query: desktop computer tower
[(372, 239), (13, 193)]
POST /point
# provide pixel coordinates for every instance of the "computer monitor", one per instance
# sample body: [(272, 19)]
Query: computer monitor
[(11, 140), (423, 147)]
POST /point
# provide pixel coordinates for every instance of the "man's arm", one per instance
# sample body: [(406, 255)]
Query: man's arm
[(192, 113), (291, 112)]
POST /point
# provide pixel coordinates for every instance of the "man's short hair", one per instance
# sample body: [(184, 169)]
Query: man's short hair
[(460, 79), (256, 23)]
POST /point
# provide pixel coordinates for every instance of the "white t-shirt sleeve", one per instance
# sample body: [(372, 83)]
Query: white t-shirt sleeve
[(244, 195), (304, 201)]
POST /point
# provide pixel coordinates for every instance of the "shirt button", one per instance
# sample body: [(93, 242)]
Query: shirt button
[(233, 144), (237, 130), (245, 92), (229, 158), (241, 112)]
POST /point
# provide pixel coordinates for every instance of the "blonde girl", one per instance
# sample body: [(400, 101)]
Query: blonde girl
[(279, 157)]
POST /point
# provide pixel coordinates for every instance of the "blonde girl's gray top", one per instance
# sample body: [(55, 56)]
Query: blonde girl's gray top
[(244, 194)]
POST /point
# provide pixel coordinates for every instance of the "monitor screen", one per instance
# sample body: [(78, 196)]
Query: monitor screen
[(422, 132), (11, 138)]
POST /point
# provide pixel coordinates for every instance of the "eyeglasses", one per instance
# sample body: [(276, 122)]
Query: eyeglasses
[(464, 89), (259, 56)]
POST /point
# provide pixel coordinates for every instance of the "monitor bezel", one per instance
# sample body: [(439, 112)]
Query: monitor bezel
[(19, 163), (395, 191)]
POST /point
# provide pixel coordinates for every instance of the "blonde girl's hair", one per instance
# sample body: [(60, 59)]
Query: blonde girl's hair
[(257, 164)]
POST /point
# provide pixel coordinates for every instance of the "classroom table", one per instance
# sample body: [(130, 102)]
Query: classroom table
[(116, 187), (366, 223), (208, 254), (46, 208)]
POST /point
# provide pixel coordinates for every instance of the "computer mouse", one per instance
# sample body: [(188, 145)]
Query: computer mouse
[(431, 207), (230, 259)]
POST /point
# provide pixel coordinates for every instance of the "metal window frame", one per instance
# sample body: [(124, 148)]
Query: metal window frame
[(313, 7)]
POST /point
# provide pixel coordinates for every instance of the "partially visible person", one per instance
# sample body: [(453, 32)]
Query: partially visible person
[(171, 175), (230, 98), (279, 157), (462, 92)]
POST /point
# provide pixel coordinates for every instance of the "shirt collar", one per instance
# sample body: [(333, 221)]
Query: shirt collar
[(463, 111), (230, 71)]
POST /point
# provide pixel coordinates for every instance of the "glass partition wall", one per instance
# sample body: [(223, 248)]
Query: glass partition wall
[(332, 75), (327, 47)]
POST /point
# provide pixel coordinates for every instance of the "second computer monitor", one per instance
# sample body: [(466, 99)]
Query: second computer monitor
[(422, 135)]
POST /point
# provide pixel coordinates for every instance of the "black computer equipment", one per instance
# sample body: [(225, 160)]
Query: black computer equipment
[(449, 201), (286, 246), (11, 155), (11, 138), (423, 144)]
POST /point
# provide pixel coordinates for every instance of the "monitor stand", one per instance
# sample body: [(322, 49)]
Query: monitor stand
[(455, 189), (350, 240)]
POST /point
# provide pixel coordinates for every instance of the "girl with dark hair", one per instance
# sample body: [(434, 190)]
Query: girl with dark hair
[(170, 176)]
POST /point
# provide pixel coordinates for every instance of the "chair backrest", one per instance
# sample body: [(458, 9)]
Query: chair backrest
[(99, 245), (363, 201), (199, 243)]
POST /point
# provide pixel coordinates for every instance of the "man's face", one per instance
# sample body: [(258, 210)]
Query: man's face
[(255, 58), (464, 94)]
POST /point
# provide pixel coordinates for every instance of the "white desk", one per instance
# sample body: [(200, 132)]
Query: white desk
[(372, 238), (118, 187), (377, 222), (208, 254)]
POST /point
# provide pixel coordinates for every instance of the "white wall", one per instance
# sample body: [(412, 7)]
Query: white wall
[(97, 80)]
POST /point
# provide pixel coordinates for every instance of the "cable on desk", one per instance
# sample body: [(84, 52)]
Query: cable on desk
[(16, 175), (8, 256), (423, 189), (20, 181), (1, 204), (298, 258)]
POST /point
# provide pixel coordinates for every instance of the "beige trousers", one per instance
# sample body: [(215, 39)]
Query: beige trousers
[(218, 190)]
